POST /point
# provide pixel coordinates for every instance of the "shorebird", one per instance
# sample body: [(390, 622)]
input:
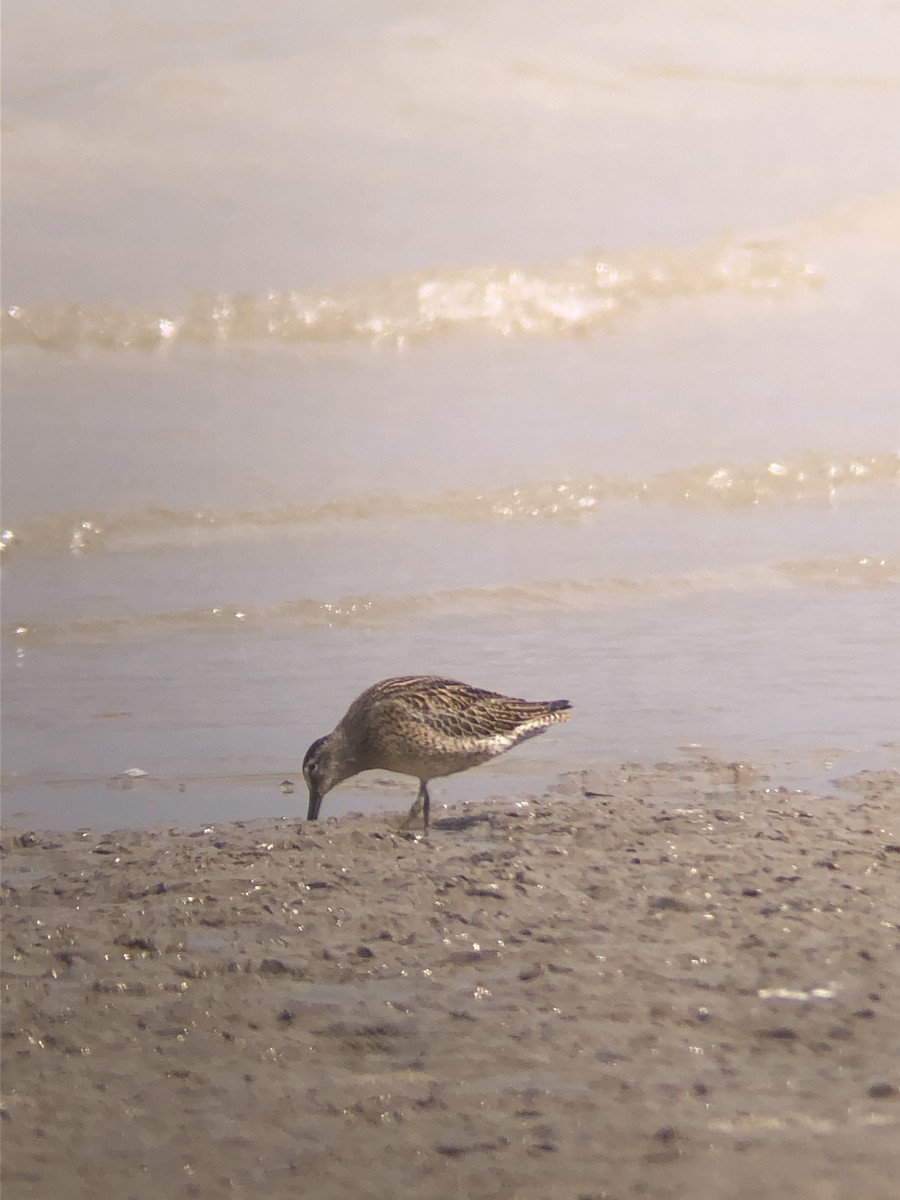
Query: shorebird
[(425, 726)]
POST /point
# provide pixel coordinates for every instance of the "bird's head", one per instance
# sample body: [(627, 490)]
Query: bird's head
[(322, 770)]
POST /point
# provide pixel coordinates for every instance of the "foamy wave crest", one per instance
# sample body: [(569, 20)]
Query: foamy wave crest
[(540, 596), (575, 296), (812, 478)]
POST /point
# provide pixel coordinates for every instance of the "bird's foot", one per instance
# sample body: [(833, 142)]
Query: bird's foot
[(413, 834), (413, 818)]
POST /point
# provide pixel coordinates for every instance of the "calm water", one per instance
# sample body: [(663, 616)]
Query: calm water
[(552, 347)]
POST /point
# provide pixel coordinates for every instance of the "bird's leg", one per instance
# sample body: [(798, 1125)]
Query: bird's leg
[(426, 813), (422, 804)]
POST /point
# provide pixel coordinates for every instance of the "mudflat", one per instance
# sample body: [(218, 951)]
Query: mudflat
[(663, 981)]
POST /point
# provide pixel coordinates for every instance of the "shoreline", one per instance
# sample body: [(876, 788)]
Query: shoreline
[(663, 980)]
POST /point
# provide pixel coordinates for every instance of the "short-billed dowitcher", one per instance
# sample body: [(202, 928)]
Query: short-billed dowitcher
[(425, 726)]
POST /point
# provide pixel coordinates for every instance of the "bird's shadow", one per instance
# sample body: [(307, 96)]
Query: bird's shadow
[(461, 823)]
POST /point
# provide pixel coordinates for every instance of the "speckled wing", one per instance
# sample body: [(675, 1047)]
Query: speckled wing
[(458, 711)]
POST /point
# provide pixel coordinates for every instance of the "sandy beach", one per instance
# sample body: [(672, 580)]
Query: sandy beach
[(666, 981)]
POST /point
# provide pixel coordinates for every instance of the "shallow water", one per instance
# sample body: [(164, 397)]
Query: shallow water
[(555, 354)]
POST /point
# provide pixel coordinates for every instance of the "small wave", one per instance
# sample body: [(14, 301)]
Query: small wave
[(579, 295), (553, 595), (811, 478)]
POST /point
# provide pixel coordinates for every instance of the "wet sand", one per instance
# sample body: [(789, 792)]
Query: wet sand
[(668, 981)]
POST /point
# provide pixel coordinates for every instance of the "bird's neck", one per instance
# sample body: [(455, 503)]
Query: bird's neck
[(342, 760)]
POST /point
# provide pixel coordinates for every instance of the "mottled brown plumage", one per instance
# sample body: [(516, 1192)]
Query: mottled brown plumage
[(424, 726)]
